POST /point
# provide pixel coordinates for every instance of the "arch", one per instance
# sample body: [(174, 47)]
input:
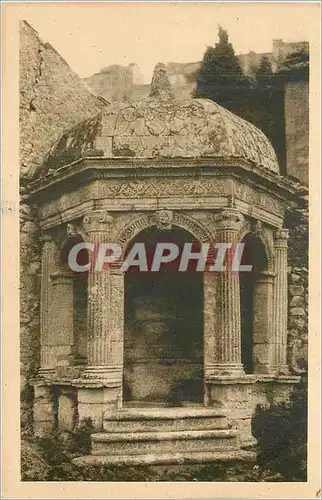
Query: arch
[(163, 328), (263, 236), (183, 221)]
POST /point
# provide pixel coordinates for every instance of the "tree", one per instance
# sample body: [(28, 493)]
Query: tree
[(264, 72), (220, 76)]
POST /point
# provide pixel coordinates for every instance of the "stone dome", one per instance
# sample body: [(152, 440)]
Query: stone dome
[(161, 126)]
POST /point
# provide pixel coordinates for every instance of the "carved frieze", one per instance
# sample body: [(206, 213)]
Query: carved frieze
[(180, 190)]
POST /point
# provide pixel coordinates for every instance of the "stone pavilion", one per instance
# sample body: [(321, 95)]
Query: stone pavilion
[(167, 367)]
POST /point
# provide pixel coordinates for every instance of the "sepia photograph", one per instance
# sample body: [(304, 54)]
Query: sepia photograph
[(163, 246)]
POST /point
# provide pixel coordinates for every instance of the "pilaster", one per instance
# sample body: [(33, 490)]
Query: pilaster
[(263, 322), (62, 322), (49, 264), (279, 343)]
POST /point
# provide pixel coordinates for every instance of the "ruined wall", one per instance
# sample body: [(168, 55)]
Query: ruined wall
[(114, 83), (52, 98), (296, 104)]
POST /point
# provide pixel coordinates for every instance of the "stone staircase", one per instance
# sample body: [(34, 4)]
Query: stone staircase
[(135, 436)]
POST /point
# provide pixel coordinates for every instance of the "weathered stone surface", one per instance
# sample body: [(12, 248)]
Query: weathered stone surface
[(164, 419), (166, 458), (298, 291), (297, 301), (297, 128), (45, 78), (161, 126), (164, 442), (297, 311), (66, 412)]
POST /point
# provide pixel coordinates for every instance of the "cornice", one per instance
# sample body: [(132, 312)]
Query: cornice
[(92, 168)]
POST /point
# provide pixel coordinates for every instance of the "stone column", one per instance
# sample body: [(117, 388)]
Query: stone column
[(227, 356), (49, 265), (279, 343), (101, 386), (263, 322)]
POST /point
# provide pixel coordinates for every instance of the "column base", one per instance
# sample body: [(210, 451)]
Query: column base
[(46, 373), (279, 370), (110, 375)]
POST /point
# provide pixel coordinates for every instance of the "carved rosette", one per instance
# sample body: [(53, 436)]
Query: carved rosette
[(163, 219)]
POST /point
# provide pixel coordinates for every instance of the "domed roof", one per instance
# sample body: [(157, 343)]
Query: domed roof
[(162, 126)]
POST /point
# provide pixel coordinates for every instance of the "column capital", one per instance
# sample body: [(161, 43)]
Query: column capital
[(46, 238), (281, 237), (97, 221), (229, 218)]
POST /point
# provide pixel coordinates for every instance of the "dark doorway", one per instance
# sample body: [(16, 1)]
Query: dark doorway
[(163, 344), (254, 254)]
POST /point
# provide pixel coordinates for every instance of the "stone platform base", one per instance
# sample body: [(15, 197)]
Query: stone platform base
[(165, 436), (165, 458)]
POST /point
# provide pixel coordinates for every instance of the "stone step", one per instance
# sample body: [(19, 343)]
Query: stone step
[(183, 458), (164, 442), (163, 419)]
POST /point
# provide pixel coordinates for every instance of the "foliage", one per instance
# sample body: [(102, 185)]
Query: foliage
[(220, 76), (33, 465), (259, 100), (264, 72), (281, 431)]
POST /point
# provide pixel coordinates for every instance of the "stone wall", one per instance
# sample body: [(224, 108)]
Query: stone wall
[(296, 104), (52, 98), (30, 267), (297, 222)]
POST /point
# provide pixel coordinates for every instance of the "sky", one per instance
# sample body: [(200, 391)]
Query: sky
[(90, 36)]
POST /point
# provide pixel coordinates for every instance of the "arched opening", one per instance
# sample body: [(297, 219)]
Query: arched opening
[(163, 340), (254, 254), (80, 296)]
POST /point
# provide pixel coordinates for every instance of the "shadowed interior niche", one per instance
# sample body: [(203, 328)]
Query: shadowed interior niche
[(80, 296), (250, 299), (163, 345)]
